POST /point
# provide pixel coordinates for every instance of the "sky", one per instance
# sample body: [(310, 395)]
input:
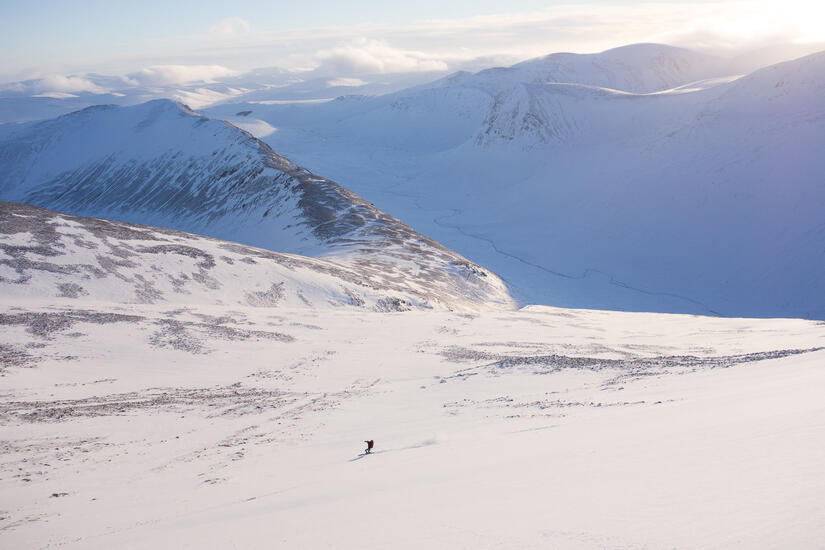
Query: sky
[(51, 38)]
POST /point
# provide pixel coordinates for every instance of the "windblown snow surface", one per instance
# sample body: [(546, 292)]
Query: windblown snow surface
[(642, 178), (207, 426)]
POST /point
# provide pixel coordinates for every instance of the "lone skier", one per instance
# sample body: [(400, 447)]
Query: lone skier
[(370, 445)]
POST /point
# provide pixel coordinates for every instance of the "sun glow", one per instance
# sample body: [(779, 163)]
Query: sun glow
[(810, 17), (800, 21)]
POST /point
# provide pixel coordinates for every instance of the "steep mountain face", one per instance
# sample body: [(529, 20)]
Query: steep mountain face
[(45, 255), (703, 198), (160, 163)]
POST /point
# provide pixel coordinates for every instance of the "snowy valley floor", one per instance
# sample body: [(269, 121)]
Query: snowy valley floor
[(154, 427)]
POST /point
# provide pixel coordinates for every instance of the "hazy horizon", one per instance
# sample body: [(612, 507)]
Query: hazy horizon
[(189, 42)]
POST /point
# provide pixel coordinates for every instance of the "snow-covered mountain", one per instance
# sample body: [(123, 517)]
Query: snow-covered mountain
[(633, 179), (497, 104), (579, 178), (46, 256), (161, 164), (637, 68), (643, 68)]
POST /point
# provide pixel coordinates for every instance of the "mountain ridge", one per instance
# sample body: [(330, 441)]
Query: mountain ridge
[(161, 164)]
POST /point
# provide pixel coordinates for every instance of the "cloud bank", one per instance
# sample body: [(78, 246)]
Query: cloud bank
[(364, 56), (56, 86), (67, 84), (167, 75)]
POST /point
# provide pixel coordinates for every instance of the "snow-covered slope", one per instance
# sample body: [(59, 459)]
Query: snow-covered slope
[(148, 426), (160, 164), (46, 256), (582, 191)]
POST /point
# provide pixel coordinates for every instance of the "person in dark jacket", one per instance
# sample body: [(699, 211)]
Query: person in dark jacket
[(370, 445)]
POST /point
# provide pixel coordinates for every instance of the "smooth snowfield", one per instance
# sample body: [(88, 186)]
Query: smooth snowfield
[(544, 427)]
